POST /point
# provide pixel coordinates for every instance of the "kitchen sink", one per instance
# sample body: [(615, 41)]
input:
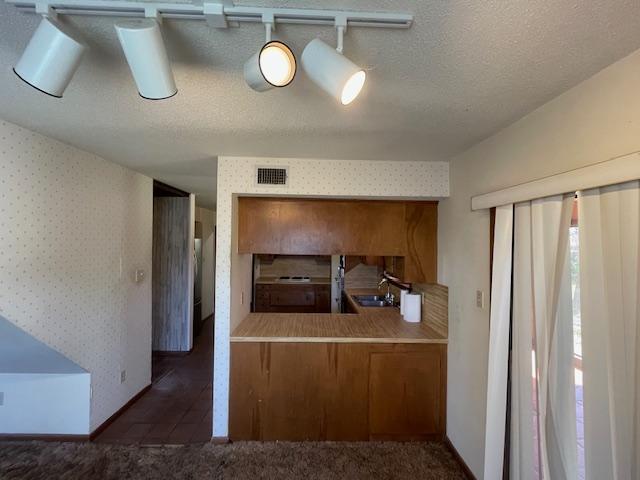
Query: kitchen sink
[(371, 300), (372, 303)]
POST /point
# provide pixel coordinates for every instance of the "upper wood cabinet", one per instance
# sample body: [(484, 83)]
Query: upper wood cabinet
[(294, 226), (421, 231)]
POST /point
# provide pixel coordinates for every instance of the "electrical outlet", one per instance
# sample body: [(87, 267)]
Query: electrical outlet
[(1, 399), (479, 299), (123, 376)]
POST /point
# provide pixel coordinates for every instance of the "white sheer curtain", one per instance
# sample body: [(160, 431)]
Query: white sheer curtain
[(609, 225), (524, 425), (542, 319), (499, 344)]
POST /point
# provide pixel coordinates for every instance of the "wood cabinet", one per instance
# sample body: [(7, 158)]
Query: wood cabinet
[(319, 227), (337, 391), (294, 226), (293, 298), (421, 233), (404, 394)]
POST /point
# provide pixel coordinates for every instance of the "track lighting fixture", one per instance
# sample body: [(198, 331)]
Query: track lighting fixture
[(53, 54), (274, 65), (143, 47), (50, 59), (332, 71)]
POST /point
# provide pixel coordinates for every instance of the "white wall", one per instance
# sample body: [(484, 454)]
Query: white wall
[(595, 121), (307, 177), (208, 219), (73, 229), (45, 403), (43, 392)]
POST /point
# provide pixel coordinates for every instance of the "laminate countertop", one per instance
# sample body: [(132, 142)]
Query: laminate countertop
[(368, 325)]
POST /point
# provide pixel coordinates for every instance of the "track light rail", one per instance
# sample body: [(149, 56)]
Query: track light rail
[(218, 15)]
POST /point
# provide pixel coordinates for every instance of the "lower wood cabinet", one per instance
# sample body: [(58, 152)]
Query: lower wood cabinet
[(293, 298), (337, 391)]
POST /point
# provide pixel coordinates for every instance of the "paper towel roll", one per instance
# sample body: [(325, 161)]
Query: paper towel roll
[(403, 293), (413, 304)]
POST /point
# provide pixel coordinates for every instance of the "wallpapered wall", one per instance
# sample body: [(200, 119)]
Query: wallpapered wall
[(307, 177), (73, 229)]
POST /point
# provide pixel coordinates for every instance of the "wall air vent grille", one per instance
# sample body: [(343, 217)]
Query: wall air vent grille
[(271, 176)]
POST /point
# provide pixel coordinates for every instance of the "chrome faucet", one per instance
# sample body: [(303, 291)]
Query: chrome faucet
[(389, 297)]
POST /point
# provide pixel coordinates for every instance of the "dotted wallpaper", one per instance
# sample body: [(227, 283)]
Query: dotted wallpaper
[(307, 177), (73, 230)]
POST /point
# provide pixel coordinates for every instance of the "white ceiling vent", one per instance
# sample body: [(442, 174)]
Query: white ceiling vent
[(276, 176)]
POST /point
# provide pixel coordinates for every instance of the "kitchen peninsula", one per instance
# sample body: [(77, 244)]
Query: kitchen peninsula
[(367, 375), (361, 372)]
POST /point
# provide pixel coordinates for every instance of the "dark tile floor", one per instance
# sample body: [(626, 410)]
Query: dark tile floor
[(177, 408)]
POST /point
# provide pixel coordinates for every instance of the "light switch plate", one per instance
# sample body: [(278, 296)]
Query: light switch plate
[(479, 299), (1, 399), (138, 276), (123, 376)]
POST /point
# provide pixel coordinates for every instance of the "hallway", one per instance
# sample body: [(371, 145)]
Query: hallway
[(177, 408)]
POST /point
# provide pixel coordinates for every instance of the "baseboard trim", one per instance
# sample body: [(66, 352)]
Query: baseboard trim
[(171, 353), (465, 467), (42, 437), (120, 411)]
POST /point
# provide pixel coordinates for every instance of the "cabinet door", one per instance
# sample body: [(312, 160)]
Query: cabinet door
[(298, 226), (420, 263), (293, 297), (261, 303), (298, 391), (323, 299), (406, 396)]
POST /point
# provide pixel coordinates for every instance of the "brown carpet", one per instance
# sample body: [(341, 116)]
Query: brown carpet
[(279, 460)]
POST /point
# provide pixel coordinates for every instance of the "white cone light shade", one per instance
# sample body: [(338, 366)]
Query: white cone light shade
[(273, 66), (332, 72), (50, 59), (143, 47)]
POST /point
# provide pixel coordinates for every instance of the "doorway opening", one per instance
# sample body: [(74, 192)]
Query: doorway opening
[(177, 408)]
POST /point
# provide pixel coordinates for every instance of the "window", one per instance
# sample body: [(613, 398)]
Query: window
[(574, 249)]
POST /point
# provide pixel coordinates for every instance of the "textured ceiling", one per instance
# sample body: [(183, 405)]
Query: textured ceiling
[(463, 71)]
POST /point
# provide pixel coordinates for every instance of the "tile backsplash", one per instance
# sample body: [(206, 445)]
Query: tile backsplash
[(435, 309)]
